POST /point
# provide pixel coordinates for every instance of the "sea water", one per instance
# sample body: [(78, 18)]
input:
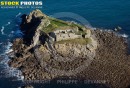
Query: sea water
[(106, 14)]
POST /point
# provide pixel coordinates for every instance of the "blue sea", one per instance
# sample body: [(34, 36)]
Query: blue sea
[(106, 14)]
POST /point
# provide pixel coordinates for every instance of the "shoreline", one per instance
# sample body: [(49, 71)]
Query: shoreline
[(111, 57)]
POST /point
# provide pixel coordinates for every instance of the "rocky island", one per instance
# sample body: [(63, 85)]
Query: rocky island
[(52, 48)]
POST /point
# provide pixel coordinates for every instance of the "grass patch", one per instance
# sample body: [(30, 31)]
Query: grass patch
[(78, 25), (49, 28), (57, 23), (68, 24), (82, 41)]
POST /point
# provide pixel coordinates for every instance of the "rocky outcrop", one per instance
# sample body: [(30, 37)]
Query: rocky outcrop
[(37, 49), (72, 50), (32, 24)]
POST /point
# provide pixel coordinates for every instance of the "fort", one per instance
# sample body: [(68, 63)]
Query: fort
[(69, 33), (66, 34)]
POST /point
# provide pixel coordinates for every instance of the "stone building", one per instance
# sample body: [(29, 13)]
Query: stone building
[(66, 36), (59, 35)]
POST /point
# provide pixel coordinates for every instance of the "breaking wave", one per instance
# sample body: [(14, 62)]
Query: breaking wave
[(3, 28), (5, 70), (125, 35)]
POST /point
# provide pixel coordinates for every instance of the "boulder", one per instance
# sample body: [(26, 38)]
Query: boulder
[(92, 45), (36, 14), (88, 33)]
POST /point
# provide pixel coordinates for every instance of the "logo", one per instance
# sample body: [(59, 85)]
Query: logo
[(21, 4)]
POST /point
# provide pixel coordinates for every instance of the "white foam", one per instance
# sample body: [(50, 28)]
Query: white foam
[(18, 14), (125, 35), (4, 62), (9, 44), (110, 31), (9, 51), (9, 71), (8, 23), (8, 47), (2, 30), (12, 72)]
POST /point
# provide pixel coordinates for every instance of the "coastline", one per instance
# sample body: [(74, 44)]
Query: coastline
[(106, 58)]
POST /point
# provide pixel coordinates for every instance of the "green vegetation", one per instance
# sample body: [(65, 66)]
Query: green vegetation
[(49, 28), (78, 25), (58, 23), (55, 23), (82, 41)]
